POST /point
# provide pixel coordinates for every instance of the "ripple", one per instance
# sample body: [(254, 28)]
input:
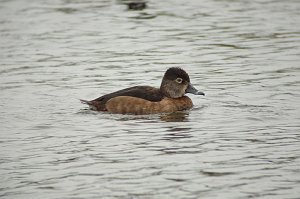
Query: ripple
[(241, 140)]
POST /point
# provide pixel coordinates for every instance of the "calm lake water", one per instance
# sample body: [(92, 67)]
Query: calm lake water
[(242, 140)]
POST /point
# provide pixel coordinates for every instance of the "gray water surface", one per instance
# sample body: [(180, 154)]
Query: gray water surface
[(242, 140)]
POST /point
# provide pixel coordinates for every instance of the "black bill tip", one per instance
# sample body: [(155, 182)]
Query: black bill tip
[(193, 90)]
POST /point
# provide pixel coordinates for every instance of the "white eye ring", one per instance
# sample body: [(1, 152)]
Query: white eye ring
[(178, 80)]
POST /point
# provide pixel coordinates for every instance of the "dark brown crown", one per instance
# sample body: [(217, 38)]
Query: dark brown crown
[(175, 72)]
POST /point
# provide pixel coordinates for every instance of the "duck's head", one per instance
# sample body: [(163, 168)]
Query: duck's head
[(176, 83)]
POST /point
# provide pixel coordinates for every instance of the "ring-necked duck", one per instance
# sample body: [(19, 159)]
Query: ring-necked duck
[(170, 97)]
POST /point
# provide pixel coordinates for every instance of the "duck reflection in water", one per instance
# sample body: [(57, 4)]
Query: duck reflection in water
[(178, 116)]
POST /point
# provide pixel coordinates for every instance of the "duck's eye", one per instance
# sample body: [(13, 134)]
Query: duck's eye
[(178, 80)]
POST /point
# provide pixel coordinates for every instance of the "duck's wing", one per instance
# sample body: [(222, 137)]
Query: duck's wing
[(143, 92)]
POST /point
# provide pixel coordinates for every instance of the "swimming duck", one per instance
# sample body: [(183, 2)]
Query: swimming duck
[(170, 97)]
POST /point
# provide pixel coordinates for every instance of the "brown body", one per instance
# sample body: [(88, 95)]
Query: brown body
[(170, 97), (133, 105)]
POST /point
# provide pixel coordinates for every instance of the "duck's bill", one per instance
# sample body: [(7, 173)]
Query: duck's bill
[(193, 90)]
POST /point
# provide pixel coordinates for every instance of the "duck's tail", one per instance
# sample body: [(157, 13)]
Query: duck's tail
[(85, 101), (94, 105), (89, 103)]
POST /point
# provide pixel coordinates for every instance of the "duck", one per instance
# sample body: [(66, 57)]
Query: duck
[(142, 100)]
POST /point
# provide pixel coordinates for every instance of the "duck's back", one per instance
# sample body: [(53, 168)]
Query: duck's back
[(147, 93)]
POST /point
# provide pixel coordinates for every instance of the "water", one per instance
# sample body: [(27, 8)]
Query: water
[(241, 140)]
